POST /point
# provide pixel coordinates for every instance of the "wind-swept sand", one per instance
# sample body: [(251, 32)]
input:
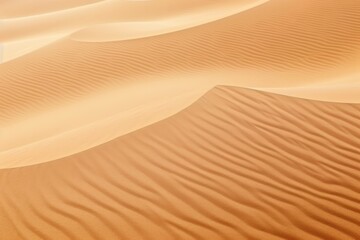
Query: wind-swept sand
[(277, 44), (72, 19), (237, 164), (113, 124)]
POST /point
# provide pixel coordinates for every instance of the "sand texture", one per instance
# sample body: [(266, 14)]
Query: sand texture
[(236, 164), (181, 119)]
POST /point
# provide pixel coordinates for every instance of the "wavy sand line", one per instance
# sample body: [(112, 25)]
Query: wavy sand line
[(37, 149), (125, 30), (16, 49), (71, 20), (340, 92), (55, 25), (210, 172), (229, 43)]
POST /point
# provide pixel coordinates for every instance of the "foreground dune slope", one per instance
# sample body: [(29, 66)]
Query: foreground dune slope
[(237, 164)]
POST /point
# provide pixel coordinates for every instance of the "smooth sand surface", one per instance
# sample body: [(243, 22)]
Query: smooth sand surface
[(16, 49), (237, 164), (21, 8), (126, 30), (115, 121)]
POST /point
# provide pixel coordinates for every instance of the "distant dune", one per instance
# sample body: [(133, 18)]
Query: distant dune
[(237, 164), (181, 119)]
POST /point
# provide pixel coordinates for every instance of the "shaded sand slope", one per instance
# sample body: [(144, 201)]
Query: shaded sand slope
[(237, 164), (277, 44)]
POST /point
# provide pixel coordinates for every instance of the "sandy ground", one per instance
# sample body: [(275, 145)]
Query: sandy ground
[(236, 164), (121, 92)]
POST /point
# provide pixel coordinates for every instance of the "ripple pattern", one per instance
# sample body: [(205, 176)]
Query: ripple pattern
[(237, 164)]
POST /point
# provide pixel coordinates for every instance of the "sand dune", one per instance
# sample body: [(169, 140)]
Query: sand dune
[(276, 45), (115, 121), (237, 164)]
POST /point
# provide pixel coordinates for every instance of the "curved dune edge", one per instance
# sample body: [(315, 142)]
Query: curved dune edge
[(68, 140), (328, 48), (120, 31), (126, 120), (345, 93), (17, 49), (71, 20), (20, 41), (237, 164), (57, 23)]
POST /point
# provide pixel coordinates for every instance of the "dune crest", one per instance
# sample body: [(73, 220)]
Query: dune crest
[(237, 164), (16, 49)]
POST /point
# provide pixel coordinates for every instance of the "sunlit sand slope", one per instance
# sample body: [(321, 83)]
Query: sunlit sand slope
[(278, 44), (100, 12), (276, 36), (237, 164), (307, 36), (24, 8)]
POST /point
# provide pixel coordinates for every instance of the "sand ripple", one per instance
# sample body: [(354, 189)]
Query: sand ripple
[(237, 164)]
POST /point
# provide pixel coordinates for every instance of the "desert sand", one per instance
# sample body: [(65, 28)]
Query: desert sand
[(182, 119), (236, 164)]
